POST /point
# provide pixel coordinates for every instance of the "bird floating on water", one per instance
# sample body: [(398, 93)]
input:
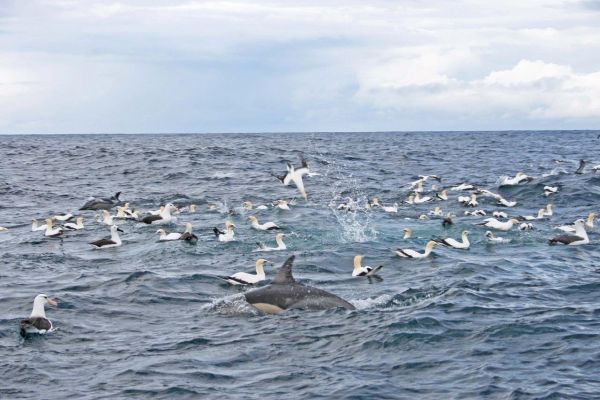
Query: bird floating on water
[(464, 244), (278, 239), (267, 226), (114, 240), (36, 227), (163, 236), (410, 253), (519, 178), (407, 233), (63, 218), (243, 278), (548, 190), (589, 224), (359, 270), (37, 323), (501, 226), (578, 239), (494, 239), (52, 232), (78, 225), (226, 236)]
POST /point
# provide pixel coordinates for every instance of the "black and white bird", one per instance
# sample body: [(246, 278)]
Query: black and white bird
[(163, 236), (580, 237), (548, 190), (526, 226), (36, 227), (52, 232), (519, 178), (278, 239), (501, 226), (188, 235), (410, 253), (295, 175), (244, 278), (463, 244), (114, 240), (589, 224), (78, 225), (495, 239), (165, 217), (63, 217), (359, 270), (37, 323), (267, 226), (225, 236)]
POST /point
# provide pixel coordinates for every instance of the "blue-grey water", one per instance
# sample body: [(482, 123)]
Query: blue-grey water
[(149, 320)]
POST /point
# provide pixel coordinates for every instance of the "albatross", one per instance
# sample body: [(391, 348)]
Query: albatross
[(114, 240), (37, 321), (580, 237)]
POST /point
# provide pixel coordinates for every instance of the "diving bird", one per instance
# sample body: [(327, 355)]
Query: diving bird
[(267, 226), (78, 225), (167, 237), (37, 321), (52, 232), (579, 238), (295, 175), (278, 239), (494, 239), (243, 278), (114, 240), (94, 203), (226, 236), (581, 167), (284, 293), (409, 253), (464, 244), (501, 226), (187, 235), (359, 270)]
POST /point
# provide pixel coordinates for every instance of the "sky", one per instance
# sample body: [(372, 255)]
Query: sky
[(126, 66)]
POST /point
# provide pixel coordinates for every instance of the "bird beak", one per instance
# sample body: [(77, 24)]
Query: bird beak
[(52, 302), (120, 230)]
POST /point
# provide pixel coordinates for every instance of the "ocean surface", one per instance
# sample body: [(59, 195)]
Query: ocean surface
[(149, 320)]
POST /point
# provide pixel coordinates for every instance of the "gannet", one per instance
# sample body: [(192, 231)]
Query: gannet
[(499, 214), (187, 235), (391, 209), (243, 278), (423, 217), (409, 253), (164, 218), (52, 232), (589, 224), (188, 209), (596, 168), (461, 187), (107, 219), (282, 204), (63, 218), (520, 177), (548, 212), (410, 199), (502, 201), (501, 226), (437, 212), (375, 202), (526, 226), (407, 233), (418, 188), (491, 238), (464, 199), (455, 243), (36, 227), (226, 236), (3, 229), (37, 321), (443, 195), (278, 239), (114, 240), (363, 271), (478, 213), (540, 215), (167, 237), (548, 190), (295, 175), (74, 226), (247, 205), (420, 200), (267, 226), (579, 238), (472, 201), (581, 167)]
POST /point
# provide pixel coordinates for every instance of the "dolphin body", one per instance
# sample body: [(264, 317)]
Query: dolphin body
[(102, 204), (284, 293)]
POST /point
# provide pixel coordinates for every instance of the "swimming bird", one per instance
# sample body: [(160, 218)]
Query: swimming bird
[(247, 205), (167, 237), (284, 293), (464, 199), (548, 212), (106, 218), (519, 178), (447, 220), (243, 278), (410, 199), (280, 244), (114, 240), (548, 190), (52, 232), (502, 201), (464, 244), (581, 167), (462, 187), (409, 253), (3, 229), (420, 200), (187, 235), (374, 202), (282, 204), (443, 195), (359, 270), (94, 203), (436, 212), (499, 214), (493, 239), (501, 226), (478, 213), (579, 238), (267, 226), (526, 226), (540, 215), (589, 224), (163, 218), (37, 321), (188, 209), (78, 225), (62, 218), (36, 227), (391, 209), (473, 201), (295, 175), (596, 168), (418, 188), (226, 236), (157, 212), (407, 233)]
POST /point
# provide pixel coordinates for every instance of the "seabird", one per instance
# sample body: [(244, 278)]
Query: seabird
[(409, 253), (74, 226), (391, 209), (167, 237), (447, 220), (589, 224), (280, 244), (423, 217), (548, 212), (418, 188), (519, 178), (464, 199), (101, 204), (420, 200), (267, 226), (410, 199), (437, 212), (52, 232), (3, 229), (581, 167), (157, 212), (189, 209), (596, 168), (106, 218), (363, 271), (295, 175), (226, 236), (36, 227), (37, 321), (499, 214), (462, 187), (443, 195), (114, 240), (407, 233), (63, 218), (579, 238), (493, 239), (187, 235), (282, 204), (548, 190), (374, 202), (243, 278), (455, 243), (526, 226), (478, 213), (540, 215), (501, 226), (164, 218), (502, 201)]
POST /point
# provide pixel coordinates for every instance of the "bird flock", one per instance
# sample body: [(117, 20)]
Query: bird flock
[(465, 195)]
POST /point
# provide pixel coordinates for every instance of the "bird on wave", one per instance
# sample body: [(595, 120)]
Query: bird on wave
[(548, 190), (410, 253), (163, 218), (37, 322), (580, 237), (267, 226), (227, 235), (243, 278), (495, 239), (360, 270)]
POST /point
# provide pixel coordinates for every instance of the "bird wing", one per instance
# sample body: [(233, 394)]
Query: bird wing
[(102, 242), (565, 239)]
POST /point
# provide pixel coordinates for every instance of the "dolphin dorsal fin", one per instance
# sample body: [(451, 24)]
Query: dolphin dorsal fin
[(284, 275)]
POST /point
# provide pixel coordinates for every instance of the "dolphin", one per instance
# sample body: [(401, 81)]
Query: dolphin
[(284, 293), (102, 204)]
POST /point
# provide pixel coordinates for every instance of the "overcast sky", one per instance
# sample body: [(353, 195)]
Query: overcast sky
[(72, 66)]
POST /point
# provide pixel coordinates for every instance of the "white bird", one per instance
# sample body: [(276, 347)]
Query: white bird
[(36, 227), (62, 218), (502, 201), (478, 213), (243, 278), (37, 321), (295, 175), (589, 224), (3, 229), (420, 200), (114, 240), (540, 215), (463, 199), (106, 219), (188, 209), (443, 195), (501, 226), (579, 238), (455, 243), (493, 239), (418, 188), (74, 226), (436, 212), (187, 235), (548, 211), (520, 177), (391, 209), (407, 233), (499, 214), (548, 190), (163, 218), (374, 203), (526, 226), (409, 253), (410, 199), (359, 270), (52, 232), (473, 201), (226, 236), (157, 212), (462, 187), (267, 226), (167, 237), (280, 244), (596, 168), (282, 204)]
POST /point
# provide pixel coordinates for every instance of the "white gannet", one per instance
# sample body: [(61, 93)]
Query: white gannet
[(157, 212), (164, 218), (107, 219), (295, 175), (493, 239), (519, 178), (391, 209), (472, 201), (548, 212), (420, 200), (589, 224), (409, 253), (63, 218), (52, 232), (37, 321), (3, 229), (410, 199), (243, 278), (579, 238), (374, 202), (282, 204), (581, 167), (455, 243), (267, 226), (114, 240), (501, 226), (436, 212), (278, 239), (502, 201), (359, 270), (187, 235), (461, 187), (407, 233), (487, 193), (478, 213), (464, 199), (499, 214), (74, 226), (36, 227), (443, 195), (167, 237), (526, 226), (226, 236), (540, 215), (548, 190)]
